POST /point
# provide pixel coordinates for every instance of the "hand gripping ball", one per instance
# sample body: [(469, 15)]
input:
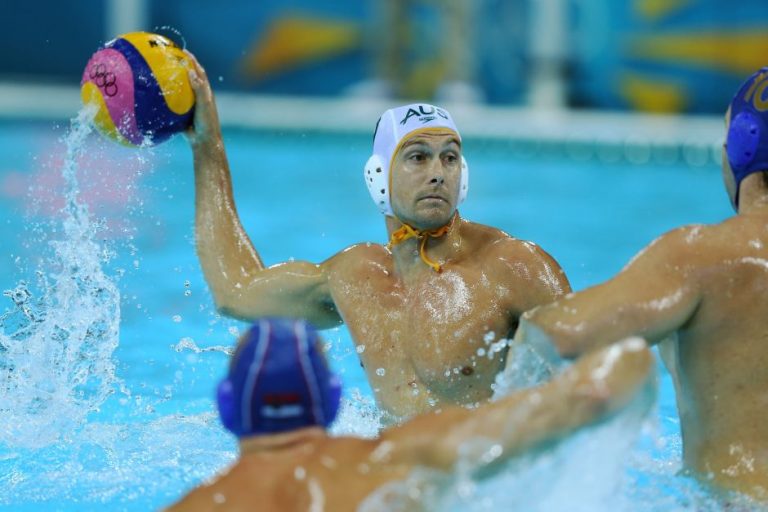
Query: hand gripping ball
[(139, 86)]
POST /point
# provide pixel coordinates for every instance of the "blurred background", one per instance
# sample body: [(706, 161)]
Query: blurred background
[(592, 127), (672, 56)]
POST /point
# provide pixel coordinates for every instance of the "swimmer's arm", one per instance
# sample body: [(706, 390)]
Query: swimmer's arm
[(595, 386), (241, 285), (653, 296), (297, 289)]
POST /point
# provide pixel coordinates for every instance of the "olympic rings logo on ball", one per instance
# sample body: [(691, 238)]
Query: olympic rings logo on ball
[(104, 79), (139, 88)]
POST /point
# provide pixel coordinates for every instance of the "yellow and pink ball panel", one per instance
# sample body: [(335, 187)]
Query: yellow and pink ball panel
[(139, 85)]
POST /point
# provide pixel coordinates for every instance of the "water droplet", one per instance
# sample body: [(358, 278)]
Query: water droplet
[(360, 349), (187, 293), (177, 318), (381, 372)]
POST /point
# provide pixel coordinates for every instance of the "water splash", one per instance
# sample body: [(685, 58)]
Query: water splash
[(586, 472), (529, 363), (55, 350), (118, 466), (358, 416), (177, 37), (187, 343)]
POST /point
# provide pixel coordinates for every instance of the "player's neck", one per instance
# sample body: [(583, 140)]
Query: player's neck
[(753, 195), (754, 205), (275, 443), (441, 249)]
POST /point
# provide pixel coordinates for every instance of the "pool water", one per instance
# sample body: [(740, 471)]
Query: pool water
[(147, 430)]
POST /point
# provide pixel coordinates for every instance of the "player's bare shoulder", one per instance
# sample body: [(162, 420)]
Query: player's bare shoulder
[(750, 231), (742, 236), (520, 265), (363, 259), (683, 246), (525, 260)]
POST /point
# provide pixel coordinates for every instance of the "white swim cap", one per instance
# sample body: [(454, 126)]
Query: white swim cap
[(394, 126)]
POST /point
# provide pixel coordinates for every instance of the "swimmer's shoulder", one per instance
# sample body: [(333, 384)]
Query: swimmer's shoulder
[(739, 235), (363, 250), (743, 225), (200, 498), (360, 256), (520, 259), (692, 244), (502, 245), (728, 233), (481, 236)]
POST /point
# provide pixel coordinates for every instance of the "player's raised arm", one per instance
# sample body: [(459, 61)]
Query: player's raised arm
[(240, 283)]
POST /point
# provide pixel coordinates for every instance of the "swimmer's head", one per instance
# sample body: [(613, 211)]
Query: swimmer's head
[(393, 131), (278, 381), (746, 147)]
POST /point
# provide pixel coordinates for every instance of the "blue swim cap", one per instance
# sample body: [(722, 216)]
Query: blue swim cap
[(747, 142), (278, 381)]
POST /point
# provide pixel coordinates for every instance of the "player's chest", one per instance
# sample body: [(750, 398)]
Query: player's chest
[(440, 326), (447, 299)]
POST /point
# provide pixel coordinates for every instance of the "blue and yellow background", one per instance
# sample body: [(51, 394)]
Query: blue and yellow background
[(647, 55)]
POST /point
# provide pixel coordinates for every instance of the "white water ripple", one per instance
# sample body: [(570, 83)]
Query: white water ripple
[(56, 350)]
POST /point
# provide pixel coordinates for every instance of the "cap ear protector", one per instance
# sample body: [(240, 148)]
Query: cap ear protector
[(463, 181), (377, 180), (744, 132), (747, 140)]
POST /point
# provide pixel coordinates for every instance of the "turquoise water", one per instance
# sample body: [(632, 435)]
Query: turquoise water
[(144, 429)]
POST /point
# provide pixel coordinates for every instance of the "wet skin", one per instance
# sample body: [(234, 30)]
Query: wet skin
[(423, 337), (308, 470), (702, 293)]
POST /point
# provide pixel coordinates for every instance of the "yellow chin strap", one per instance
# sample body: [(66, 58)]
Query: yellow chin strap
[(406, 232)]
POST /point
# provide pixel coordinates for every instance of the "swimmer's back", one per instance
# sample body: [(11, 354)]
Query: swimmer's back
[(722, 351), (326, 476)]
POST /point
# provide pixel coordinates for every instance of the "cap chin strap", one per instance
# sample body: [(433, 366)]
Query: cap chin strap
[(406, 232)]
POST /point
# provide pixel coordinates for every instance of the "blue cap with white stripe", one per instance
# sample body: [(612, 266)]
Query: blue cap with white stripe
[(278, 381)]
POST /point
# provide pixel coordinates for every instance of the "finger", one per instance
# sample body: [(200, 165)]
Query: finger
[(198, 68), (200, 87)]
